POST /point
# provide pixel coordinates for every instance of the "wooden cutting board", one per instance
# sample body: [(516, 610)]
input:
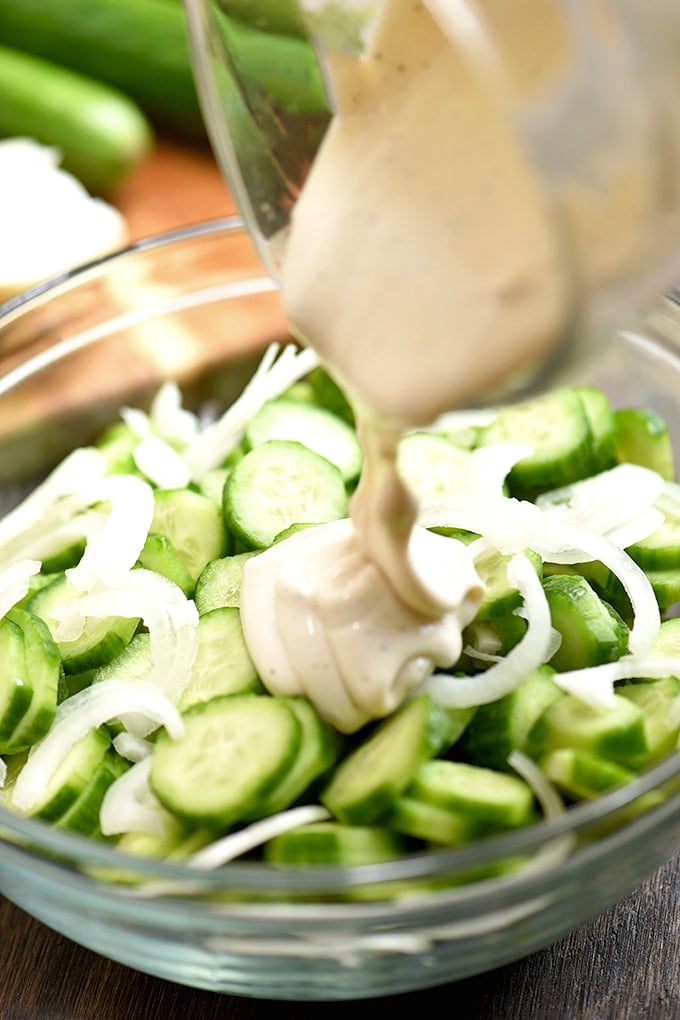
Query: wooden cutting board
[(176, 185)]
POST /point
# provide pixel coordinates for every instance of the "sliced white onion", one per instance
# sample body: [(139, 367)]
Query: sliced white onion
[(86, 711), (63, 493), (129, 804), (639, 528), (14, 583), (594, 685), (131, 747), (511, 525), (527, 655), (169, 419), (669, 500), (237, 843), (137, 421), (161, 464), (114, 551), (604, 501), (272, 377), (547, 796), (567, 544), (171, 619), (3, 773)]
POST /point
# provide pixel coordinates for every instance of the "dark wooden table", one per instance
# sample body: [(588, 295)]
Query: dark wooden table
[(623, 966)]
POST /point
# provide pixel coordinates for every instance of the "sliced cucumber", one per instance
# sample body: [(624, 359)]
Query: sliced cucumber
[(100, 641), (194, 525), (661, 549), (365, 785), (482, 795), (500, 597), (434, 824), (582, 775), (44, 671), (313, 426), (503, 726), (234, 750), (617, 733), (15, 689), (332, 843), (600, 415), (160, 555), (659, 701), (223, 664), (83, 814), (642, 437), (220, 583), (278, 484), (73, 774), (592, 633), (556, 427)]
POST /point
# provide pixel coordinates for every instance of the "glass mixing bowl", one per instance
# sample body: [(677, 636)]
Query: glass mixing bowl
[(197, 306)]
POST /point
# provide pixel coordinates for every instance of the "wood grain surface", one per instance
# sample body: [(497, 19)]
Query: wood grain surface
[(623, 966)]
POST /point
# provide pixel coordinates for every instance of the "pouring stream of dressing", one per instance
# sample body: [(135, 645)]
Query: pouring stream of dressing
[(424, 265)]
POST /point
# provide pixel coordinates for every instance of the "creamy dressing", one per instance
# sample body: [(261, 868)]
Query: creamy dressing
[(425, 265)]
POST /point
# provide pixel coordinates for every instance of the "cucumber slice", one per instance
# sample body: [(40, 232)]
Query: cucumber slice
[(582, 775), (319, 750), (600, 415), (556, 427), (661, 549), (73, 774), (482, 795), (500, 597), (592, 633), (100, 641), (212, 483), (223, 664), (659, 701), (332, 843), (160, 555), (220, 583), (194, 525), (313, 426), (365, 785), (642, 437), (420, 820), (44, 670), (235, 749), (430, 465), (617, 733), (278, 484), (83, 815), (503, 726), (15, 689)]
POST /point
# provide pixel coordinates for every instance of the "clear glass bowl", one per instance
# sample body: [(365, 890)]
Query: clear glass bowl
[(196, 305)]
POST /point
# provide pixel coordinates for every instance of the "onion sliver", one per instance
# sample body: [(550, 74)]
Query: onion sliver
[(112, 553), (171, 619), (568, 544), (129, 804), (527, 655), (132, 747), (272, 377), (594, 685), (14, 583), (511, 525), (169, 419), (83, 712), (3, 772), (161, 463), (237, 843), (604, 501), (547, 796)]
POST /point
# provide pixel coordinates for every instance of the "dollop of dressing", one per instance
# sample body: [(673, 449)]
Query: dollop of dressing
[(424, 265)]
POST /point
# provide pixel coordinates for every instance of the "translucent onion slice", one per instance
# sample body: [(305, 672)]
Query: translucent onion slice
[(171, 619), (161, 464), (112, 553), (131, 747), (594, 685), (3, 773), (604, 501), (636, 530), (63, 493), (565, 543), (14, 583), (237, 843), (530, 653), (511, 525), (273, 376), (169, 419), (129, 804), (547, 796), (83, 712)]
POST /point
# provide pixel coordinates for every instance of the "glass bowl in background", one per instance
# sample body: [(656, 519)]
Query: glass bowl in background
[(196, 305)]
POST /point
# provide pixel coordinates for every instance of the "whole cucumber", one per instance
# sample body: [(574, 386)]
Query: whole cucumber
[(142, 48), (101, 133)]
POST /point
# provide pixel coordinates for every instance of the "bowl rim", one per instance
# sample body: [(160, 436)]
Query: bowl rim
[(80, 850)]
